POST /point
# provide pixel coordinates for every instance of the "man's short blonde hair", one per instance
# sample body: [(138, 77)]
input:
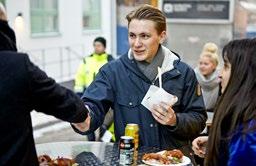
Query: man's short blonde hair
[(148, 12)]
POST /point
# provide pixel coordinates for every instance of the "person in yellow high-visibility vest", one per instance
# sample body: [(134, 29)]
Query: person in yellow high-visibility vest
[(90, 65), (87, 71)]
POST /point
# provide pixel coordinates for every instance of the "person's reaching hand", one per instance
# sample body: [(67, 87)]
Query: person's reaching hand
[(83, 126), (199, 146)]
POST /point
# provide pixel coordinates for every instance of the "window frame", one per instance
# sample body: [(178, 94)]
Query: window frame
[(43, 13), (91, 30)]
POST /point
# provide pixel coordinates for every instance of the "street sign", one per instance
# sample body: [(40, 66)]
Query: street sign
[(202, 10)]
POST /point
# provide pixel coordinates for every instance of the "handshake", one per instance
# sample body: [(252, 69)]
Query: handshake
[(85, 125)]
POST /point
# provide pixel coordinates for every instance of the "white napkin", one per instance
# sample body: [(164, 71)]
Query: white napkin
[(156, 95)]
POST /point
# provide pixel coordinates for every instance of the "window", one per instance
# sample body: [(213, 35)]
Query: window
[(3, 2), (245, 19), (91, 14), (44, 16)]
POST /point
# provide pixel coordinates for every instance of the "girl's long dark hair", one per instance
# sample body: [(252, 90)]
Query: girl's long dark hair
[(237, 105)]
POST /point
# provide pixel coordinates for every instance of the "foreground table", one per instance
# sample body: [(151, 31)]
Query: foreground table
[(88, 153)]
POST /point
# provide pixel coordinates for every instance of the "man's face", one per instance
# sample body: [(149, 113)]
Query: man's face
[(144, 39), (98, 47)]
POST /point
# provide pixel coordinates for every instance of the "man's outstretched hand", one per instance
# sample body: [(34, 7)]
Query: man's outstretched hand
[(83, 126)]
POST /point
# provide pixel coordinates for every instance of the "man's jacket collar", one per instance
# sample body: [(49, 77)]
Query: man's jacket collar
[(170, 61)]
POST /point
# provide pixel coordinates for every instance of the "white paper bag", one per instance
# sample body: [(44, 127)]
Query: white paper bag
[(156, 95)]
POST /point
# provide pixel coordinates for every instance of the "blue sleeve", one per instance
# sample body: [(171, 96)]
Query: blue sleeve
[(242, 150), (99, 97)]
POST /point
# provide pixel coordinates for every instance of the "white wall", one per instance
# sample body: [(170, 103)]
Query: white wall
[(70, 35)]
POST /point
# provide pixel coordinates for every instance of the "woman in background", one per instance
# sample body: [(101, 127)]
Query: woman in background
[(232, 138), (207, 75)]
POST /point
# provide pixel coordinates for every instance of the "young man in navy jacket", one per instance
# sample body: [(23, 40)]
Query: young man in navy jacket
[(123, 83)]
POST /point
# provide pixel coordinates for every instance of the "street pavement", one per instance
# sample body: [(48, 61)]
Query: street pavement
[(65, 133)]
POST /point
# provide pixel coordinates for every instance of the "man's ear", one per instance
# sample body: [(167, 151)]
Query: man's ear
[(162, 37)]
